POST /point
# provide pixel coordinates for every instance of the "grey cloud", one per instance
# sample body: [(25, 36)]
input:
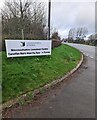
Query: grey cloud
[(66, 15)]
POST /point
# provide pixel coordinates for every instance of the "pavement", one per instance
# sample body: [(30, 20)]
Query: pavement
[(74, 98)]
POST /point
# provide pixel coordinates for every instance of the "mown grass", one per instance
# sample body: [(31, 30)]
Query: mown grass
[(28, 73)]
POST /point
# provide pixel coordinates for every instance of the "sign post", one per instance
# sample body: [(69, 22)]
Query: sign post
[(49, 15)]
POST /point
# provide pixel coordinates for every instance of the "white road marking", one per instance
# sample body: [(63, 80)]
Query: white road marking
[(83, 49), (87, 54), (91, 57)]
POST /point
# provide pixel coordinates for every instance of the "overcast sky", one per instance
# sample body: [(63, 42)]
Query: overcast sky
[(66, 15)]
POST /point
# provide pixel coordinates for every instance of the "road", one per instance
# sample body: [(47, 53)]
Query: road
[(86, 49), (72, 99)]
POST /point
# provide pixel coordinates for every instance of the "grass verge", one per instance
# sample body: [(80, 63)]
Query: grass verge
[(29, 73)]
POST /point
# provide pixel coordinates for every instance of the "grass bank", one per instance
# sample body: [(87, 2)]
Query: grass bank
[(28, 73)]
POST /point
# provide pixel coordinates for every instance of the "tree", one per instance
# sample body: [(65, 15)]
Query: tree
[(81, 33), (77, 35), (23, 20), (71, 34), (55, 35), (92, 39)]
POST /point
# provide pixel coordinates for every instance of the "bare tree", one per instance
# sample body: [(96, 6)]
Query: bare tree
[(81, 32), (56, 36), (26, 19), (71, 34), (77, 35)]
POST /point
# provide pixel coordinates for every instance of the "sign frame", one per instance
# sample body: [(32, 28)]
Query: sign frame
[(24, 48)]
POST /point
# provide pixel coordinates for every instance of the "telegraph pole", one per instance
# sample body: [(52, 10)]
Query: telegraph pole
[(22, 30), (49, 16)]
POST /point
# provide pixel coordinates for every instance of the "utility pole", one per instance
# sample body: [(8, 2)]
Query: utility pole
[(49, 16), (22, 30)]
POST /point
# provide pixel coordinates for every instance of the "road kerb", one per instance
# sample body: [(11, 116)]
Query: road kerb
[(16, 100)]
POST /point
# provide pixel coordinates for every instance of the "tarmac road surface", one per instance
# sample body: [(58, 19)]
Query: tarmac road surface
[(74, 99)]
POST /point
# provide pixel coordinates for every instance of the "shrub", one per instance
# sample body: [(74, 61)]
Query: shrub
[(55, 43)]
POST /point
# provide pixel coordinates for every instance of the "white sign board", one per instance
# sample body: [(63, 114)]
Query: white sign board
[(18, 48)]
